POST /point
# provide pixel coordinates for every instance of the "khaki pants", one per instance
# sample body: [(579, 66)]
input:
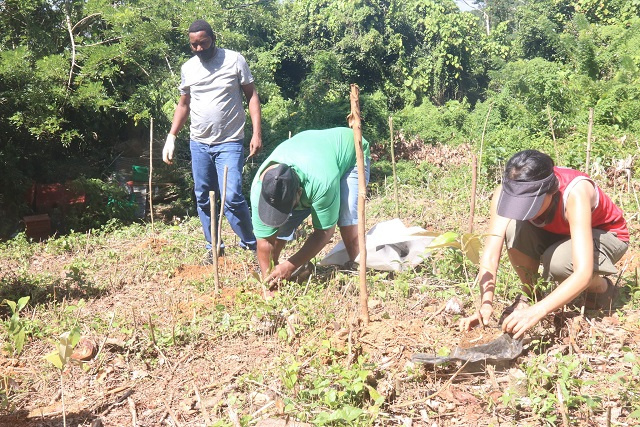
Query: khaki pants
[(554, 250)]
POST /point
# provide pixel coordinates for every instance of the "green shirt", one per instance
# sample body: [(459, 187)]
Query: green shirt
[(320, 158)]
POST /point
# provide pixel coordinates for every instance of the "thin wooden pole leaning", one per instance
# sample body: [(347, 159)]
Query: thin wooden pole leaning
[(588, 161), (553, 133), (474, 186), (151, 172), (393, 168), (355, 123), (214, 243), (222, 199), (484, 129)]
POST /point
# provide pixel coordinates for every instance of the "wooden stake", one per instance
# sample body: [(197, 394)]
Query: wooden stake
[(484, 129), (214, 243), (474, 186), (393, 167), (355, 123), (222, 199), (553, 133), (586, 169), (151, 172)]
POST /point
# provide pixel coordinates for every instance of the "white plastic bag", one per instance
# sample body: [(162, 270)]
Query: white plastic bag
[(391, 246)]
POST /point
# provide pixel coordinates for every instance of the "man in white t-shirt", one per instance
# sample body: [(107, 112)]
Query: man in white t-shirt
[(211, 89)]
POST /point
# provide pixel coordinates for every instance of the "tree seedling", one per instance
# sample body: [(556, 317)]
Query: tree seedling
[(60, 357), (15, 327)]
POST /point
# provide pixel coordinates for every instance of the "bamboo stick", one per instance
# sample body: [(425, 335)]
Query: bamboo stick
[(484, 129), (553, 133), (222, 199), (393, 167), (214, 249), (586, 169), (355, 123), (151, 172), (474, 186)]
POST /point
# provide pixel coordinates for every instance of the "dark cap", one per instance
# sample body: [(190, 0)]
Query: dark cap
[(521, 200), (279, 190)]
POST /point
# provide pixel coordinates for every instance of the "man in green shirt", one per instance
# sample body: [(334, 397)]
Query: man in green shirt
[(313, 173)]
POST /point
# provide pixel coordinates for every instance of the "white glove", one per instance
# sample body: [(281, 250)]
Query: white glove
[(169, 147)]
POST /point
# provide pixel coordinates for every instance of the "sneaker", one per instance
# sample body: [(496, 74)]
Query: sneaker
[(208, 258)]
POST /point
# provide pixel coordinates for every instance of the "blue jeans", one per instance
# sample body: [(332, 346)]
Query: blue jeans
[(207, 164), (348, 204)]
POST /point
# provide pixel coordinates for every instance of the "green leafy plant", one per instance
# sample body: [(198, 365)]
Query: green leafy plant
[(61, 356), (15, 326)]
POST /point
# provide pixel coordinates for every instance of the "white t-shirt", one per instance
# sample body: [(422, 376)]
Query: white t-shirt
[(215, 87)]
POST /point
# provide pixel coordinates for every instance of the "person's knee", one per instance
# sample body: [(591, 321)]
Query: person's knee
[(555, 269)]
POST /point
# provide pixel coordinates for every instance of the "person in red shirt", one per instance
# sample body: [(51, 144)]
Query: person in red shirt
[(557, 217)]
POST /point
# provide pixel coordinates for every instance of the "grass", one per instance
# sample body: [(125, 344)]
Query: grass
[(192, 357)]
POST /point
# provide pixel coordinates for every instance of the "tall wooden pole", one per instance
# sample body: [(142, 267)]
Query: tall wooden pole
[(586, 169), (393, 167), (474, 186), (222, 199), (484, 129), (553, 133), (151, 171), (214, 244), (355, 123)]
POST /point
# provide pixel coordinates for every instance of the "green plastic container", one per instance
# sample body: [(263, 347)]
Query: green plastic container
[(140, 173)]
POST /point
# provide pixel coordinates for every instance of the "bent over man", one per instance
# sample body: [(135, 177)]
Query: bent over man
[(313, 173)]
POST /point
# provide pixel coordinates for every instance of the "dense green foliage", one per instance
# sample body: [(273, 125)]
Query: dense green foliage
[(80, 80)]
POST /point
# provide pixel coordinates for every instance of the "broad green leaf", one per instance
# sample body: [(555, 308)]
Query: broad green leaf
[(12, 305), (350, 413), (471, 245), (22, 302), (446, 240), (375, 396), (19, 341), (54, 359)]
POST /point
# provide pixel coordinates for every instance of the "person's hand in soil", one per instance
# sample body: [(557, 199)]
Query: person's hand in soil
[(280, 272), (480, 317), (518, 322)]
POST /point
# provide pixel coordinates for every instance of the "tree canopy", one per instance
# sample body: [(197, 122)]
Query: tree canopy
[(77, 79)]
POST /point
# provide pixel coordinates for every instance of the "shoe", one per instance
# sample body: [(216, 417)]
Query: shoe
[(602, 301), (351, 266), (521, 301), (208, 258)]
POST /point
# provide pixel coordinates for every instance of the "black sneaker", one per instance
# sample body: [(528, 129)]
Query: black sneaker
[(208, 258)]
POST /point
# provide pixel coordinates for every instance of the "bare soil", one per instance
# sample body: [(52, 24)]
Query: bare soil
[(128, 380)]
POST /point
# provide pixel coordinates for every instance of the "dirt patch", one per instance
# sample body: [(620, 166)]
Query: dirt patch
[(478, 336), (154, 244), (226, 267)]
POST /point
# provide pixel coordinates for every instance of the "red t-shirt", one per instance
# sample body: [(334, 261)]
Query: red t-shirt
[(605, 216)]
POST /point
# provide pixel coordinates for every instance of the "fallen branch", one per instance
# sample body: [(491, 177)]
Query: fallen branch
[(132, 411), (203, 408)]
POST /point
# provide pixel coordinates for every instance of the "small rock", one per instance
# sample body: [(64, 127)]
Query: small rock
[(453, 306), (374, 303), (85, 350), (259, 399), (518, 382)]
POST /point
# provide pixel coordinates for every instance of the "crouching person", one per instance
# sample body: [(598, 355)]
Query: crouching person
[(557, 217)]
